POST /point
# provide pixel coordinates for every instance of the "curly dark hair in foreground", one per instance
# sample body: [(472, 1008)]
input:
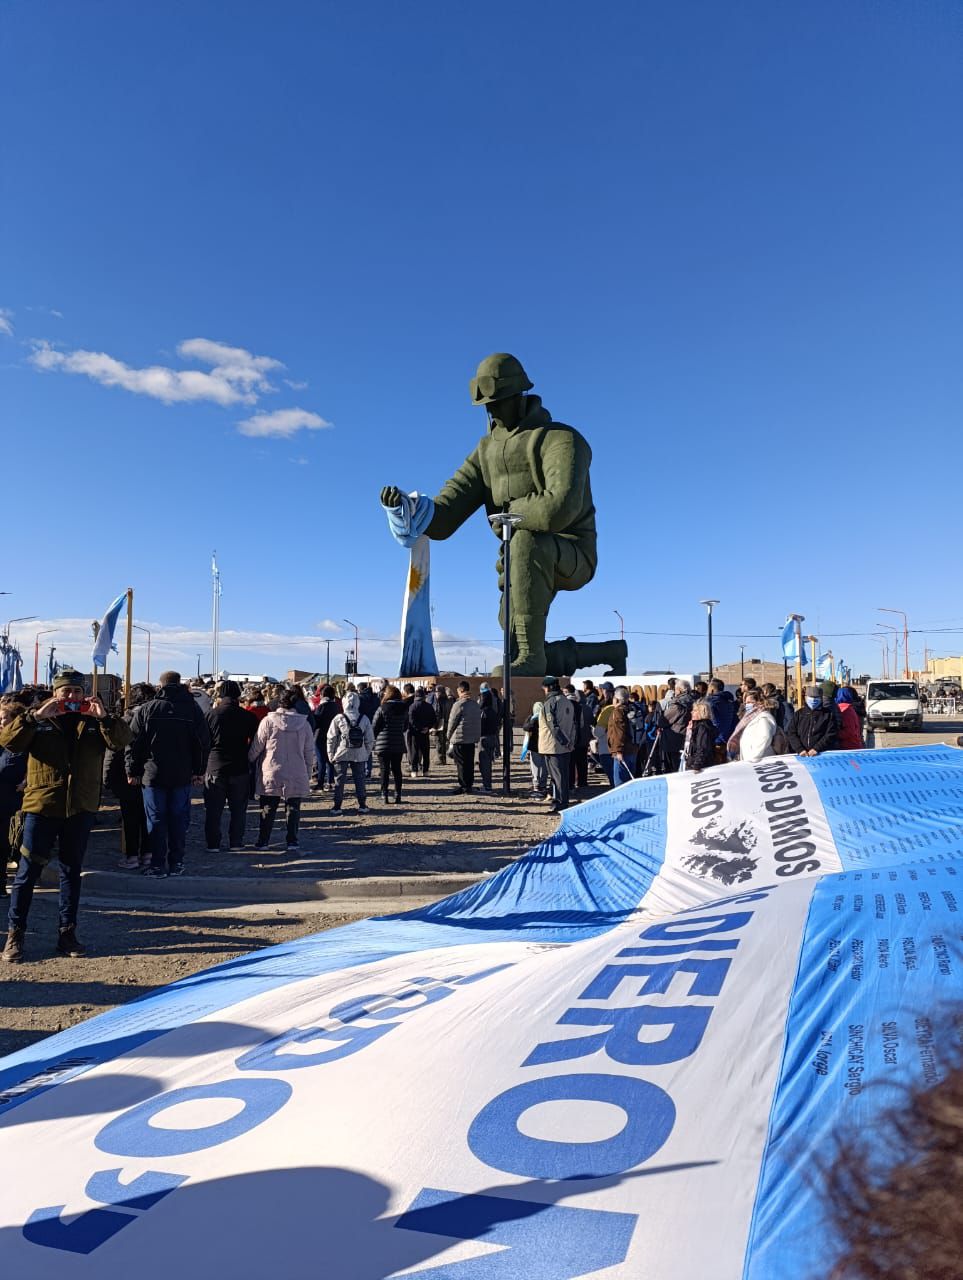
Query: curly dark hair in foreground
[(899, 1213)]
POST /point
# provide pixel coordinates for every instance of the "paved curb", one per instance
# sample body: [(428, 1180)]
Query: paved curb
[(130, 887)]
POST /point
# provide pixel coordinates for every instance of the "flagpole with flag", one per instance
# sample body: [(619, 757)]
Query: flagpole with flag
[(104, 636), (792, 649)]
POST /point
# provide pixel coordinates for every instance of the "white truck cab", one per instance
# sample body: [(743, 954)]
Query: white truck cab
[(894, 704)]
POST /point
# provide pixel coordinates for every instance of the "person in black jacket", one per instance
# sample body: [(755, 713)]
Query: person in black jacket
[(369, 705), (134, 836), (389, 726), (328, 707), (578, 763), (699, 751), (815, 728), (488, 742), (421, 721), (226, 780), (439, 699), (722, 709), (167, 753)]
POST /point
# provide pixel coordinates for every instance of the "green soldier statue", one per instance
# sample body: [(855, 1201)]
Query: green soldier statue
[(537, 469)]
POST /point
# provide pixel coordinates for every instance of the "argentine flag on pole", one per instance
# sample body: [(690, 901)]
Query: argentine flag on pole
[(790, 646), (105, 636)]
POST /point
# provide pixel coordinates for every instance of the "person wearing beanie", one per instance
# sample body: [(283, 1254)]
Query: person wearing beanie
[(166, 755), (556, 740), (349, 745), (65, 740), (850, 728), (226, 779), (815, 728)]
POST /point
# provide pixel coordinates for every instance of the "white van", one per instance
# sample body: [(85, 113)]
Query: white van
[(894, 704)]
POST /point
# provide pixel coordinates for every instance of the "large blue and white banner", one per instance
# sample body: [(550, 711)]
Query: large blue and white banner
[(625, 1055)]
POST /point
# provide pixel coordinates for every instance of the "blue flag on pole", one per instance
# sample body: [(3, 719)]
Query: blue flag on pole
[(790, 646), (105, 636), (824, 667), (10, 662)]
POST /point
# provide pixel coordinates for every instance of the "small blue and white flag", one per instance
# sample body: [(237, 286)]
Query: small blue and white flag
[(11, 680), (105, 635), (824, 667), (791, 649)]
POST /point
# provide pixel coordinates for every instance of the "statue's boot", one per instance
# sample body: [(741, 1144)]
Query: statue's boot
[(529, 647), (563, 657)]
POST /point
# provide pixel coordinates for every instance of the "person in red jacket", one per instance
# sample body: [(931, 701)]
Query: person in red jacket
[(850, 726)]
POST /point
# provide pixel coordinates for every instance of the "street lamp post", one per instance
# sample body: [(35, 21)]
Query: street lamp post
[(36, 651), (357, 668), (885, 643), (895, 630), (327, 663), (742, 662), (906, 661), (504, 523), (621, 624), (708, 604), (137, 627), (6, 631)]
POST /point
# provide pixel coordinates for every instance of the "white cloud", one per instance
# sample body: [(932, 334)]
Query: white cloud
[(241, 651), (295, 386), (6, 321), (236, 376), (281, 422)]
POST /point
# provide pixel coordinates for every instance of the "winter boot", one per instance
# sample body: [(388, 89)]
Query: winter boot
[(563, 657), (13, 951), (68, 944), (529, 648)]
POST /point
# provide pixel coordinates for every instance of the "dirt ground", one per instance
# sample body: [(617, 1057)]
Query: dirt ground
[(136, 946)]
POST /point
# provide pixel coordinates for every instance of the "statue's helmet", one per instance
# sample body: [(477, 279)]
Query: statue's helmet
[(498, 377)]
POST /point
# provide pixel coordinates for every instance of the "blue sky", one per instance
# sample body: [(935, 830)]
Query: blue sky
[(724, 238)]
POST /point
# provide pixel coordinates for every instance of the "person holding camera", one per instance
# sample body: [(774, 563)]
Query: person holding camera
[(65, 740)]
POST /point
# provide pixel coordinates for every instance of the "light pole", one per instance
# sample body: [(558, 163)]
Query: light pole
[(708, 604), (137, 627), (906, 665), (885, 643), (742, 662), (6, 631), (895, 630), (327, 663), (505, 523), (355, 625), (36, 651), (198, 666), (621, 624)]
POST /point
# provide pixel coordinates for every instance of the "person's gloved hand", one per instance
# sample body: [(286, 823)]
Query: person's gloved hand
[(391, 496)]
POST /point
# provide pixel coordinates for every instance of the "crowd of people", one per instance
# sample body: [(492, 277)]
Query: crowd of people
[(276, 744), (617, 732)]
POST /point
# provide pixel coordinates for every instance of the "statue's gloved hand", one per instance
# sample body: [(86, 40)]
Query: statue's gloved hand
[(392, 496)]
